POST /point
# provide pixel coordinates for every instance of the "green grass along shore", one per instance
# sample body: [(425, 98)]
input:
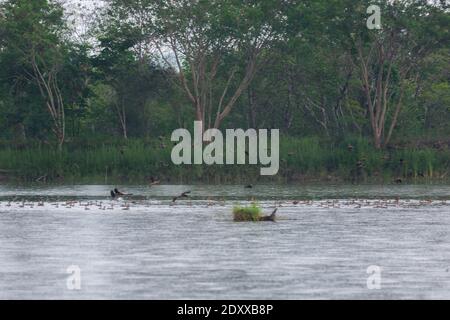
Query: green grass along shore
[(301, 159)]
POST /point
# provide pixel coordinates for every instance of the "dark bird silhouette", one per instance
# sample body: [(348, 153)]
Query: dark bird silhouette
[(154, 181), (272, 217), (113, 194), (183, 195), (119, 193), (398, 181), (249, 186)]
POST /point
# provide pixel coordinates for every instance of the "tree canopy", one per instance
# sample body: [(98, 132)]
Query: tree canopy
[(310, 68)]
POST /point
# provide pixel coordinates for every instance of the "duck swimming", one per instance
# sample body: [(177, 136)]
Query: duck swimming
[(154, 181), (119, 193), (116, 193)]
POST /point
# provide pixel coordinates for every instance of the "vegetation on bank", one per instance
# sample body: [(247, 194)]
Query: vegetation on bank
[(89, 106), (249, 213), (352, 160)]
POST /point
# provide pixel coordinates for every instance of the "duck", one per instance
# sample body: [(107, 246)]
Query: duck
[(115, 194), (154, 181), (118, 193), (183, 195)]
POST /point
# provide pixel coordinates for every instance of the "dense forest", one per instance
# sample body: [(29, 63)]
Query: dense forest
[(91, 91)]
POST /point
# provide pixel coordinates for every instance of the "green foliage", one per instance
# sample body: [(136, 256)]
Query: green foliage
[(249, 213), (120, 97), (43, 73), (311, 159)]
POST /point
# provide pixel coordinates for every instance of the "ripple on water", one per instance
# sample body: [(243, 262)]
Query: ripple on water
[(157, 250)]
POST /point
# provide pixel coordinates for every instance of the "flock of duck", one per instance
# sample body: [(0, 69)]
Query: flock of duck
[(124, 201), (116, 194)]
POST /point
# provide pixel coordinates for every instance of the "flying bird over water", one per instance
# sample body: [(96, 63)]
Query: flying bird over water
[(116, 193), (119, 193), (183, 195)]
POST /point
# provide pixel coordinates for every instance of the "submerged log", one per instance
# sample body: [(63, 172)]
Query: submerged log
[(272, 217)]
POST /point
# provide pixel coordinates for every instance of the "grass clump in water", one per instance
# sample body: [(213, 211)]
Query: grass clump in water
[(250, 213)]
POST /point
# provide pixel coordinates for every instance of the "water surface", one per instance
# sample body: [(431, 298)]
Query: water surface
[(146, 247)]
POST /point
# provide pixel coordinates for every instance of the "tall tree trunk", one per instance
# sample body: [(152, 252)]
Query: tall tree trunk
[(49, 88), (122, 115), (252, 107)]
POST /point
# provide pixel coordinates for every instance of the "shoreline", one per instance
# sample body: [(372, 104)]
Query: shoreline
[(310, 181), (302, 160)]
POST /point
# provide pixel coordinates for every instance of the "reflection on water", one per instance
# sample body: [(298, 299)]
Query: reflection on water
[(146, 247)]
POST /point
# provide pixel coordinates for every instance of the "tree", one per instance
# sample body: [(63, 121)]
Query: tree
[(214, 47), (122, 64), (33, 34), (41, 66), (389, 58)]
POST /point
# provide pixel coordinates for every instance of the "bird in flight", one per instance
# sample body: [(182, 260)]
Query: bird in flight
[(183, 195)]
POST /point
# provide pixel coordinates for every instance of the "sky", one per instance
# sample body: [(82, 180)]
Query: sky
[(81, 13)]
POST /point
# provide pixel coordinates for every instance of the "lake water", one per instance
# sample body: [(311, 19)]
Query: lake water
[(146, 247)]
